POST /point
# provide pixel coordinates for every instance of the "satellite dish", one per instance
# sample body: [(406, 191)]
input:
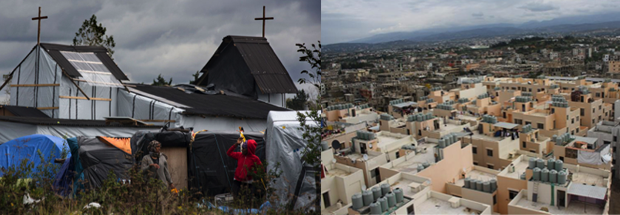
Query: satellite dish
[(365, 157), (370, 146), (336, 144)]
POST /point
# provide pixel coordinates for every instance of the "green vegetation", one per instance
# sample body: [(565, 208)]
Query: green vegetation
[(92, 33)]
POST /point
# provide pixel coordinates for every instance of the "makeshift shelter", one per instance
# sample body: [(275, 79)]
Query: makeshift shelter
[(27, 147), (284, 144), (98, 159), (248, 66), (204, 165)]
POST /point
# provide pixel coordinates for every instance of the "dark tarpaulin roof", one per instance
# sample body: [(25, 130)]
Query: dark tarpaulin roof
[(102, 53), (63, 122), (24, 111), (212, 105), (239, 55)]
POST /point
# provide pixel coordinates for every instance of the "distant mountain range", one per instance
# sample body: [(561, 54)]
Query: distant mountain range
[(558, 25)]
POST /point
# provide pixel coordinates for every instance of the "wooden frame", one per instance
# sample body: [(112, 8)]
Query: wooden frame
[(35, 85), (47, 108), (84, 98)]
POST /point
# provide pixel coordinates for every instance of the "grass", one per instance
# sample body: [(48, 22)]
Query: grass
[(143, 196)]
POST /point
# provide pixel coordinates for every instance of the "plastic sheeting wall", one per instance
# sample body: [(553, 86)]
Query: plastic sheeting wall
[(284, 144), (48, 73), (12, 130), (144, 108), (595, 158), (86, 109)]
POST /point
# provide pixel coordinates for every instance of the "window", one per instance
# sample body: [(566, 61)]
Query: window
[(475, 163), (474, 150), (524, 144), (577, 118), (592, 121), (615, 139), (606, 142), (490, 152), (599, 107), (494, 200), (541, 126), (512, 193), (572, 121), (490, 166), (397, 155), (582, 112), (593, 109), (410, 210), (577, 130), (527, 123)]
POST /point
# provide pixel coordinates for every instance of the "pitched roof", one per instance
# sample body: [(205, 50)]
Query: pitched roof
[(211, 105), (23, 111), (259, 59), (102, 53)]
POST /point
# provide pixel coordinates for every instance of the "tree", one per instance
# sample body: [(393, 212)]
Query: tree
[(299, 101), (93, 34), (160, 81), (313, 57), (310, 120), (196, 77)]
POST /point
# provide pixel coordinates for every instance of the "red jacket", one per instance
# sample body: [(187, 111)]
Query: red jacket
[(244, 163)]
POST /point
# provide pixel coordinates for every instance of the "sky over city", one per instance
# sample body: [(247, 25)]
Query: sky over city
[(348, 20), (172, 38)]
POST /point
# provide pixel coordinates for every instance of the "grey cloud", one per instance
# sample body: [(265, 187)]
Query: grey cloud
[(539, 7), (173, 38), (477, 15)]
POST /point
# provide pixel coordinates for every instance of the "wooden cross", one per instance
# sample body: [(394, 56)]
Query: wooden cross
[(263, 18), (39, 18)]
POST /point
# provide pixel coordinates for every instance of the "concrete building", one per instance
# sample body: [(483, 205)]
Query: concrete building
[(338, 184), (607, 132)]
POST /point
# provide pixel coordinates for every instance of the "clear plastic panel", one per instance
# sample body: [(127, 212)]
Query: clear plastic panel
[(92, 69)]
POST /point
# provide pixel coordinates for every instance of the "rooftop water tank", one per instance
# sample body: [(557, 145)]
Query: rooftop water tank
[(399, 195), (375, 208), (385, 188), (493, 185), (532, 163), (562, 177), (544, 175), (486, 187), (522, 177), (420, 168), (537, 174), (559, 165), (551, 163), (479, 185), (391, 199), (467, 181), (357, 201), (426, 165), (540, 163), (553, 176), (384, 204), (376, 192), (367, 196)]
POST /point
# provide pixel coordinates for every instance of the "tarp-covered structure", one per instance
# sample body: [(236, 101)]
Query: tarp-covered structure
[(91, 162), (284, 145), (28, 147), (210, 170)]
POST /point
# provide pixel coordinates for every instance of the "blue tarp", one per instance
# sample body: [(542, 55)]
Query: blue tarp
[(13, 152), (78, 176), (64, 179)]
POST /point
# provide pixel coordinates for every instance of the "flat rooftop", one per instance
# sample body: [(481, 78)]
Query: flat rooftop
[(588, 179), (384, 140), (356, 156), (520, 168), (574, 207), (411, 165), (438, 206), (405, 185), (338, 172), (476, 174)]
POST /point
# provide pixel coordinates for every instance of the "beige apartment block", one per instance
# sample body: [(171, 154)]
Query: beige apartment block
[(494, 144), (592, 110), (582, 191), (583, 151), (338, 185), (348, 113), (421, 199)]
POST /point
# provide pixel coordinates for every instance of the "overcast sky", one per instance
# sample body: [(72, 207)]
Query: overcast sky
[(174, 38), (347, 20)]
